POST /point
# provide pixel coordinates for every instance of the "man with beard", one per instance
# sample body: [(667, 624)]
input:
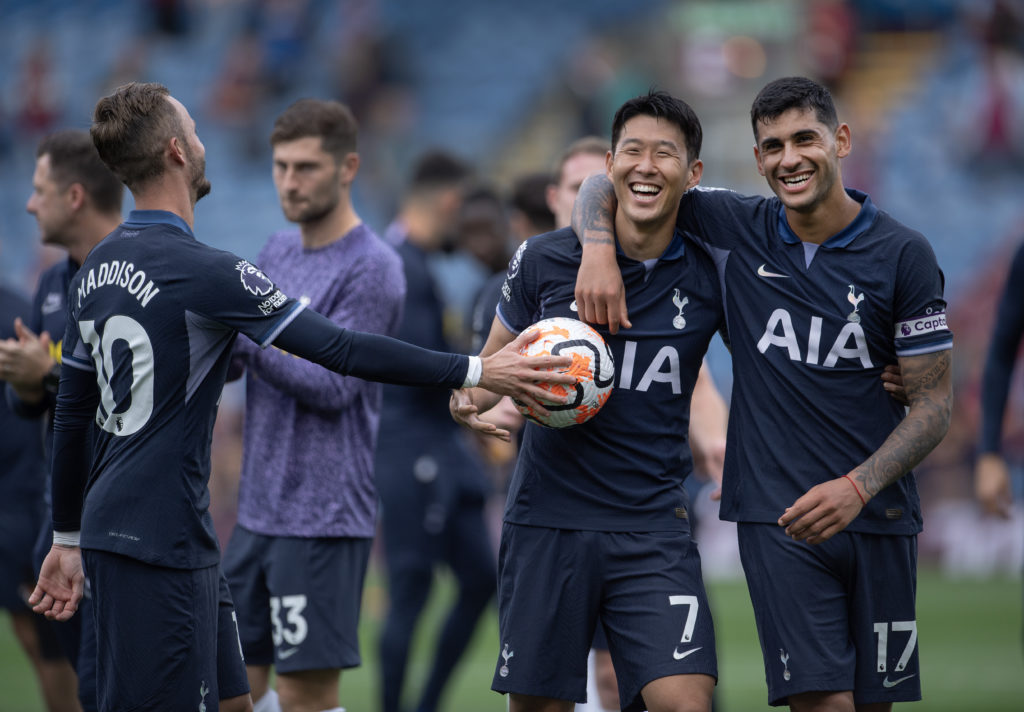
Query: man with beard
[(307, 501), (152, 317)]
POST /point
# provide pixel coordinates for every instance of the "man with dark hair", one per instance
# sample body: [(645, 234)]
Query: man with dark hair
[(152, 317), (822, 289), (596, 527), (307, 501), (76, 202), (529, 213)]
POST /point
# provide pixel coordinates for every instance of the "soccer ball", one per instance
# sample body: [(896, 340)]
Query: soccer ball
[(592, 364)]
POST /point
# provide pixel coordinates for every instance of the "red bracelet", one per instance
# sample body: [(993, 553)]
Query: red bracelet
[(856, 489)]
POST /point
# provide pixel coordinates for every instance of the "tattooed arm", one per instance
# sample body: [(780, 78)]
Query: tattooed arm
[(828, 508), (600, 296)]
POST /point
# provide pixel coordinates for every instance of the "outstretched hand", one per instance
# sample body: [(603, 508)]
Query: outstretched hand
[(509, 373), (823, 511), (60, 584)]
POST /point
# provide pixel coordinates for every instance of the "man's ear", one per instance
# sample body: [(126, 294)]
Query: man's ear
[(349, 168), (844, 141), (76, 196), (696, 170), (176, 151), (757, 159)]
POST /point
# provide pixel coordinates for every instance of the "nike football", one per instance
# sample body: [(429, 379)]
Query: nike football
[(592, 364)]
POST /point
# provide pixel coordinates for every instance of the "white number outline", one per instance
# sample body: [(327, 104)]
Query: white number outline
[(121, 328), (293, 605), (882, 631), (691, 615)]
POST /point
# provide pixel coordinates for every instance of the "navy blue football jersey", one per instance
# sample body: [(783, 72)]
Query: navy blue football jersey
[(811, 328), (624, 469), (21, 446), (152, 316)]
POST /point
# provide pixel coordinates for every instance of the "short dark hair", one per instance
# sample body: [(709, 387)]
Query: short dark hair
[(330, 121), (73, 159), (529, 196), (662, 105), (588, 145), (438, 169), (130, 128), (781, 95)]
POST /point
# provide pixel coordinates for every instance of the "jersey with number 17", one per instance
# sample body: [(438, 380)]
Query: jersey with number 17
[(811, 329), (152, 316)]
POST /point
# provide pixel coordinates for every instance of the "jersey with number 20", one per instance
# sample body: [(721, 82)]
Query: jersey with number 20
[(152, 315)]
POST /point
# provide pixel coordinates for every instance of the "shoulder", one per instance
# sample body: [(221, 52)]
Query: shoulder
[(560, 245), (372, 250)]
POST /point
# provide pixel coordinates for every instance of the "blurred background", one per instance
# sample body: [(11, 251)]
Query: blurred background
[(933, 91)]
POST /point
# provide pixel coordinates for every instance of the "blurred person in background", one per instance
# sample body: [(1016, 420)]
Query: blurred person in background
[(307, 503), (992, 483), (22, 515), (76, 202), (432, 485)]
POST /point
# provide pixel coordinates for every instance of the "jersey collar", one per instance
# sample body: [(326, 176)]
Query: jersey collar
[(165, 217), (676, 249), (844, 237)]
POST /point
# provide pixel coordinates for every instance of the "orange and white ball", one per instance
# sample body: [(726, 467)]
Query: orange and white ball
[(592, 364)]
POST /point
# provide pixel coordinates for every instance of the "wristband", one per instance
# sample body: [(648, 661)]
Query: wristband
[(66, 538), (856, 489), (473, 373)]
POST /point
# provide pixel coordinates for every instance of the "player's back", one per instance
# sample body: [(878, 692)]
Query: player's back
[(153, 314)]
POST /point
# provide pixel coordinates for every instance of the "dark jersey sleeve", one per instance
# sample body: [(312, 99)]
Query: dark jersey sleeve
[(77, 400), (369, 356), (1002, 352)]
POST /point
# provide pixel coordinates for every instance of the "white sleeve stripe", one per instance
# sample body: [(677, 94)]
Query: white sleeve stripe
[(80, 365), (281, 325), (926, 349)]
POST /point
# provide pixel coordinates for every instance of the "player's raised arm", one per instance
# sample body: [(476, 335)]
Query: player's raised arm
[(828, 508), (600, 295)]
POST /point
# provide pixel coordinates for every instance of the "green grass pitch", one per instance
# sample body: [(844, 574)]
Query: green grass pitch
[(970, 638)]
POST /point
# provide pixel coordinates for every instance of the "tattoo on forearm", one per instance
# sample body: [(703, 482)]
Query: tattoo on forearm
[(927, 381), (592, 214)]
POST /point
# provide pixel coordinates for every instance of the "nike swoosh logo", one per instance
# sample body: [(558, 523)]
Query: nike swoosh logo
[(762, 272), (892, 683), (573, 307), (285, 654), (51, 304), (679, 656)]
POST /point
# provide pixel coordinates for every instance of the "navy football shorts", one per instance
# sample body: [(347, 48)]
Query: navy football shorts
[(647, 589), (297, 599), (834, 616), (231, 678), (156, 634), (17, 575)]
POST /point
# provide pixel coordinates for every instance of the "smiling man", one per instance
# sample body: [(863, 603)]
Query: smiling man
[(596, 525), (822, 289), (307, 503)]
